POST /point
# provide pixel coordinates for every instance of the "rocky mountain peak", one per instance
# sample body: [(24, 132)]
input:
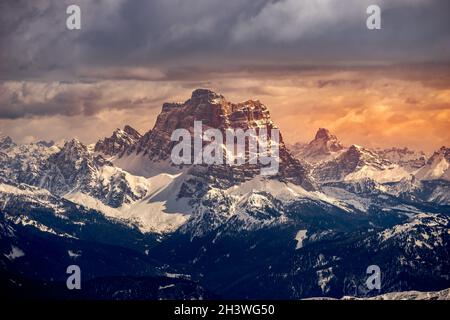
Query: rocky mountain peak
[(354, 149), (324, 134), (356, 163), (409, 159), (46, 144), (6, 142), (205, 95), (442, 153), (362, 156), (324, 147), (329, 142), (214, 111), (74, 146), (437, 166), (131, 131), (119, 141), (352, 158), (73, 153)]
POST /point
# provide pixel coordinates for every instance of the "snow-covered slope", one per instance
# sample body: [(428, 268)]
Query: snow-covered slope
[(24, 162), (410, 295), (403, 295), (255, 204), (87, 178), (240, 233), (76, 169), (437, 167), (408, 159), (358, 163), (151, 201)]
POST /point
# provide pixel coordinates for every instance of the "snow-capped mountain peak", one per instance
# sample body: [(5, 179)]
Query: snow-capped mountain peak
[(119, 141), (324, 134), (359, 163), (437, 166), (409, 159), (6, 142), (323, 147), (73, 151), (214, 111)]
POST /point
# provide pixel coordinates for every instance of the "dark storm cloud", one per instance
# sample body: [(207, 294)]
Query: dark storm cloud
[(31, 99), (15, 104), (167, 34), (47, 70)]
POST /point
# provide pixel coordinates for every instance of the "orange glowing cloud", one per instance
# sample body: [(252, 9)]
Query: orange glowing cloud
[(374, 107)]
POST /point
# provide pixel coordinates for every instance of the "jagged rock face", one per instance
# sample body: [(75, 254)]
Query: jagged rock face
[(6, 142), (409, 159), (349, 162), (437, 166), (229, 230), (325, 146), (216, 112), (71, 168), (442, 153), (118, 142), (206, 106), (23, 163), (75, 168), (47, 144), (330, 161), (327, 141), (427, 191)]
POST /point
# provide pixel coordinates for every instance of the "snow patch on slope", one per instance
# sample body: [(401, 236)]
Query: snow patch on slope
[(438, 170), (15, 253), (158, 211), (391, 174), (299, 237), (283, 191), (141, 165)]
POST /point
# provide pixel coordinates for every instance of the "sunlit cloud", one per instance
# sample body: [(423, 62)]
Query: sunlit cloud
[(371, 107)]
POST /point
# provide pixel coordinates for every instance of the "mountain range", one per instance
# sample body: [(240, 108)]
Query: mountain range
[(133, 220)]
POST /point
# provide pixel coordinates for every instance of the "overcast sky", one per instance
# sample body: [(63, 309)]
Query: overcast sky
[(298, 57)]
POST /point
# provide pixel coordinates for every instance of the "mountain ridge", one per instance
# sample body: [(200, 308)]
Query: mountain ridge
[(311, 230)]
